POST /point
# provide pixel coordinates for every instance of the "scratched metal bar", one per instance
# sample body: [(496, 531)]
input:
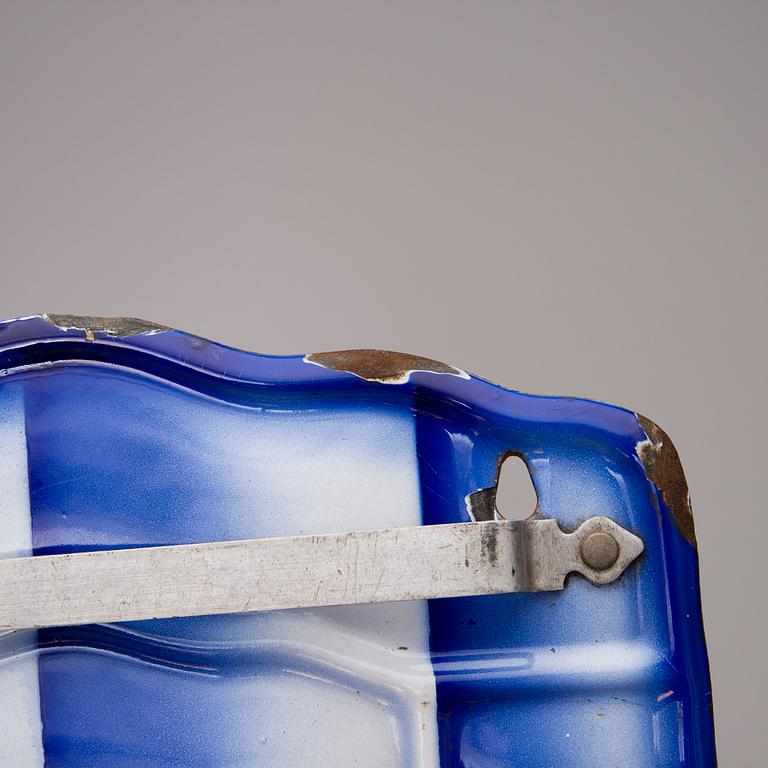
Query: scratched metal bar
[(302, 572)]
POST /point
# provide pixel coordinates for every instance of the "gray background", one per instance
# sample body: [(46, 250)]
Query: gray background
[(566, 198)]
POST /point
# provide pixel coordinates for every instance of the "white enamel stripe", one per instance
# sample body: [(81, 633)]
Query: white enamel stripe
[(363, 671), (20, 723)]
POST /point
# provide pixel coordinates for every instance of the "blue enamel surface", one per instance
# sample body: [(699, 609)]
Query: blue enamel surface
[(159, 438)]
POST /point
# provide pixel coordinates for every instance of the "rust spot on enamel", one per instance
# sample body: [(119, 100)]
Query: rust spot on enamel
[(379, 365), (112, 326), (664, 469)]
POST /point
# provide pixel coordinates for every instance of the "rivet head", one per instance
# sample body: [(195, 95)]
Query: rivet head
[(599, 550)]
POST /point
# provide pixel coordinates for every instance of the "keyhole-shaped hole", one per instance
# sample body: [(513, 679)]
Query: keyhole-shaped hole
[(515, 495)]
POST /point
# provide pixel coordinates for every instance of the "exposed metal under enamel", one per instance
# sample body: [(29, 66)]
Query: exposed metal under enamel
[(664, 469), (112, 326), (380, 365)]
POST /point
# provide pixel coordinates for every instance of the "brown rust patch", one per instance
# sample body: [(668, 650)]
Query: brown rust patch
[(112, 326), (664, 469), (379, 365)]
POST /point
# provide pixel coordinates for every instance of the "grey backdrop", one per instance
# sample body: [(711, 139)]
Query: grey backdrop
[(566, 198)]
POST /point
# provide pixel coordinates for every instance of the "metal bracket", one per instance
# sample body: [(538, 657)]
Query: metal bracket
[(386, 565)]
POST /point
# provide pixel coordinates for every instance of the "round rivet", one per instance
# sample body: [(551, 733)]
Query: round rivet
[(599, 550)]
